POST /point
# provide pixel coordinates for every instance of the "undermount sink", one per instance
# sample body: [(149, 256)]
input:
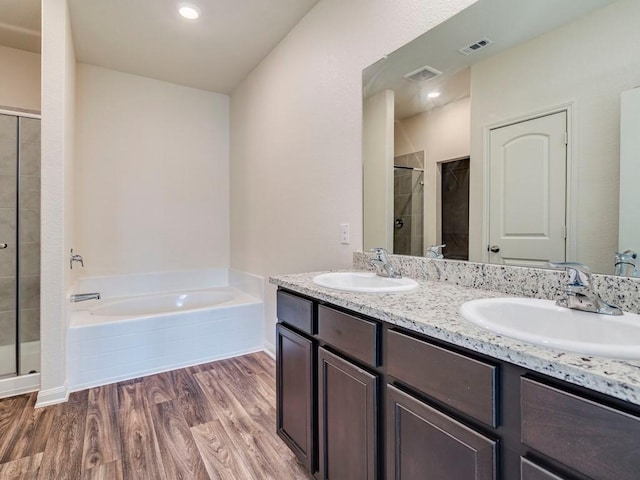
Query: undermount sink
[(542, 322), (365, 282)]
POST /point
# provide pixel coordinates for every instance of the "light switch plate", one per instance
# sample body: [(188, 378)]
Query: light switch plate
[(344, 234)]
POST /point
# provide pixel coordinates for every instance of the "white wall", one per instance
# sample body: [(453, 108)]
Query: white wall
[(58, 72), (296, 122), (444, 134), (629, 228), (377, 149), (590, 71), (152, 175), (20, 79)]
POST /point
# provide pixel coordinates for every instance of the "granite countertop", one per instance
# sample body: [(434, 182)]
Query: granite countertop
[(432, 309)]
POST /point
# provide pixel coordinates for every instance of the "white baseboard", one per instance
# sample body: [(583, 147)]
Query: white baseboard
[(52, 396), (269, 352), (270, 349), (12, 386)]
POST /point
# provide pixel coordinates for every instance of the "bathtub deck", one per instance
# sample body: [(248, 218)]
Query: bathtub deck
[(215, 420)]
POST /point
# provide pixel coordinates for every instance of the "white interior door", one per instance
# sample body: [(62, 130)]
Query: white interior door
[(527, 191)]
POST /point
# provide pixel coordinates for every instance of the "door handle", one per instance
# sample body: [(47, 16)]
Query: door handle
[(3, 246), (494, 248)]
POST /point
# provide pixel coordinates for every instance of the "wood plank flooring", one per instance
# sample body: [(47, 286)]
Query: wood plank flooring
[(212, 421)]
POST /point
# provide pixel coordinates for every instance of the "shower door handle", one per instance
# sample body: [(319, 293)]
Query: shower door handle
[(3, 246)]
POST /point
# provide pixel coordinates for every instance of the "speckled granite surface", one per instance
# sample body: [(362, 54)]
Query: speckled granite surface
[(519, 281), (432, 309)]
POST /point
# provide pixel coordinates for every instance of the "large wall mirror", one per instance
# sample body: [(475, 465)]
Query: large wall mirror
[(510, 134)]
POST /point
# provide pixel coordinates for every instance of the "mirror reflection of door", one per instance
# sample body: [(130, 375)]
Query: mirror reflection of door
[(454, 209), (527, 191)]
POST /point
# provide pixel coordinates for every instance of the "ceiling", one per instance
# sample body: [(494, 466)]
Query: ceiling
[(505, 22), (20, 24), (149, 38)]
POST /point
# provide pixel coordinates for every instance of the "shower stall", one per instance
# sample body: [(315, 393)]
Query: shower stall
[(408, 204), (19, 251)]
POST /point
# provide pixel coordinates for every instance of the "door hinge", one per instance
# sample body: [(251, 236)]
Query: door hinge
[(564, 233), (566, 138)]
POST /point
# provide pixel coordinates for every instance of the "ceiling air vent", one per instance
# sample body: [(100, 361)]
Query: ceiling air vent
[(474, 47), (422, 74)]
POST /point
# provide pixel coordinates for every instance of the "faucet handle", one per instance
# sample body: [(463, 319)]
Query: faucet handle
[(579, 274), (435, 251), (381, 254), (75, 258)]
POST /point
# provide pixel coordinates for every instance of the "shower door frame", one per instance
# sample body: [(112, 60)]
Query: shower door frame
[(28, 382)]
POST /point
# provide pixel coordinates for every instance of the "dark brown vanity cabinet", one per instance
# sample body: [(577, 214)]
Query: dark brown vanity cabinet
[(419, 437), (360, 399), (347, 419), (347, 395), (327, 396), (593, 439), (423, 442), (295, 394), (295, 377)]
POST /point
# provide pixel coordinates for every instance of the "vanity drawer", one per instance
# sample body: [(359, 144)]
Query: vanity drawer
[(531, 471), (594, 439), (355, 336), (461, 382), (295, 311)]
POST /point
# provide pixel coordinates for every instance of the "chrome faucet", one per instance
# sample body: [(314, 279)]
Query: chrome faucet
[(579, 292), (435, 251), (626, 264), (75, 258), (81, 297), (383, 263)]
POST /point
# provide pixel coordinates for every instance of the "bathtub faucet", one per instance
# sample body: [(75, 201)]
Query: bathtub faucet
[(81, 297)]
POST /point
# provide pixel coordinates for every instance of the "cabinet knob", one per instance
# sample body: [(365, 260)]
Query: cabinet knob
[(494, 248), (3, 246)]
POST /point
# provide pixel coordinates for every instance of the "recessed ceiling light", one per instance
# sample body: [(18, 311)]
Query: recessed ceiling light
[(189, 12), (433, 94)]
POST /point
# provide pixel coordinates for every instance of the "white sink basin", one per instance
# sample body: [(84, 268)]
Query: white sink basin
[(364, 282), (542, 322)]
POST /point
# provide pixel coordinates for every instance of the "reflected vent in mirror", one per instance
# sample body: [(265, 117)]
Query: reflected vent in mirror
[(474, 47), (423, 74)]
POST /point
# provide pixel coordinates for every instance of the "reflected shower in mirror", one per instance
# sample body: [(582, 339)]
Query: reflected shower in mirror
[(530, 93)]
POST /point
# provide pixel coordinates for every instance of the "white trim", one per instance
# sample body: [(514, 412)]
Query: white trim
[(52, 396), (152, 371), (19, 113), (19, 384), (571, 199), (269, 349)]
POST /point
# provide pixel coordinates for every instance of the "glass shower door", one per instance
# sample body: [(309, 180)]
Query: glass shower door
[(8, 243), (19, 245)]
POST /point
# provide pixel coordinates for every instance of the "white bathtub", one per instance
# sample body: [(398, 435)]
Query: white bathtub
[(145, 324)]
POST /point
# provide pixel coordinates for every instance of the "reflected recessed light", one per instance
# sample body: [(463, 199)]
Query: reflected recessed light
[(433, 94), (189, 12)]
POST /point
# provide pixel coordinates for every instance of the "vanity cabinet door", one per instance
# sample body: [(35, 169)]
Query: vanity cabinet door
[(295, 394), (347, 419), (424, 443)]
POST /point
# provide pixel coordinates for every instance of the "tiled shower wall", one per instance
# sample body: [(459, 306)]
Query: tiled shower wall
[(29, 234), (408, 204), (8, 205)]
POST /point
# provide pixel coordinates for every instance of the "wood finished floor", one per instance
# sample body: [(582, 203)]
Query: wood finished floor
[(212, 421)]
